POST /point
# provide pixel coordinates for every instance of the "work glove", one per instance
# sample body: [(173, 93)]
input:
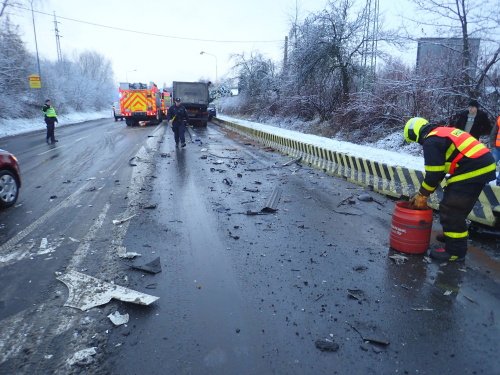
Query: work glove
[(418, 202)]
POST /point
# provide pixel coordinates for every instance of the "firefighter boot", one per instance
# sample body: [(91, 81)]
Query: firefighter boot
[(440, 237), (443, 256)]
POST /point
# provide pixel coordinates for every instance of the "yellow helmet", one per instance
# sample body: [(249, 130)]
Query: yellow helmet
[(412, 128)]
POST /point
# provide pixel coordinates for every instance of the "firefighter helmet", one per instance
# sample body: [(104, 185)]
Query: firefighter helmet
[(412, 128)]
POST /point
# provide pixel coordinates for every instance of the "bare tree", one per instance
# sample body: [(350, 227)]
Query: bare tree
[(465, 19)]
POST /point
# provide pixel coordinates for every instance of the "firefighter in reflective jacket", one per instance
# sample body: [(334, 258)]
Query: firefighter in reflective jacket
[(466, 164)]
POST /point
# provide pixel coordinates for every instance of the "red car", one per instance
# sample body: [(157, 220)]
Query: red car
[(10, 179)]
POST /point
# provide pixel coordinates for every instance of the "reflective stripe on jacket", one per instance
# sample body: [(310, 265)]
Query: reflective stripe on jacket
[(497, 141), (453, 152)]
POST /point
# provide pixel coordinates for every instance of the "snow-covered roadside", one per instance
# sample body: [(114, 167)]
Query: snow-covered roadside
[(390, 150), (19, 126)]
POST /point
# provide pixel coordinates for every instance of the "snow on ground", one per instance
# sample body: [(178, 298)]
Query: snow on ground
[(19, 126), (389, 150)]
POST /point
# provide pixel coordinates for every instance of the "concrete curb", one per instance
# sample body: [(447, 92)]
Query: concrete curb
[(393, 181)]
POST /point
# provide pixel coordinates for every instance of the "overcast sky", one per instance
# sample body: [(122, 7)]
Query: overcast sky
[(219, 27)]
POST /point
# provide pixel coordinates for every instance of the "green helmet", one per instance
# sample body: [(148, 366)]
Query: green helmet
[(412, 128)]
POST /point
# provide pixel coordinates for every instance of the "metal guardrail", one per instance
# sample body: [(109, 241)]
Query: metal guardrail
[(386, 179)]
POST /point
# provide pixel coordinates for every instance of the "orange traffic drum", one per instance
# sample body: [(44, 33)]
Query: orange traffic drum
[(410, 229)]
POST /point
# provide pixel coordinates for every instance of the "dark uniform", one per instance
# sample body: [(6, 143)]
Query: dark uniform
[(50, 120), (179, 116), (480, 126), (467, 166)]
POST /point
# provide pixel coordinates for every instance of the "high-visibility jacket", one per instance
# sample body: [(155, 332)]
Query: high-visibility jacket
[(452, 153), (497, 141), (49, 111)]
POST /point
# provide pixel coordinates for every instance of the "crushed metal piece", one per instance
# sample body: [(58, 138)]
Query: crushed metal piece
[(272, 202), (86, 292), (370, 333), (152, 267), (326, 345)]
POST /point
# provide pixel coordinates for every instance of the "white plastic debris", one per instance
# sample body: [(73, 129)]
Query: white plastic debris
[(117, 222), (398, 258), (82, 357), (129, 255), (86, 292), (447, 293), (118, 319)]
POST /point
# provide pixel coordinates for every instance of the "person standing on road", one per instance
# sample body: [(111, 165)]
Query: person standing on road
[(495, 144), (179, 116), (50, 121), (473, 121), (467, 165)]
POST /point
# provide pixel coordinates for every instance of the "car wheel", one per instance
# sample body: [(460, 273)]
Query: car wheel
[(129, 122), (9, 188)]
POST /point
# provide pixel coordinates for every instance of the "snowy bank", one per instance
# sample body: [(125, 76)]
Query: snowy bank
[(388, 151), (19, 126)]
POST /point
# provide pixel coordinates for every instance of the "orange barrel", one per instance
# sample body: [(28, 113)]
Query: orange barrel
[(410, 229)]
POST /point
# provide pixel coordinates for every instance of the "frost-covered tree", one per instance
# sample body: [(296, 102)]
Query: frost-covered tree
[(14, 71), (256, 81)]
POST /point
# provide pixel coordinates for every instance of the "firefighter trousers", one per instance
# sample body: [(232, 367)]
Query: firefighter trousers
[(458, 201), (179, 128)]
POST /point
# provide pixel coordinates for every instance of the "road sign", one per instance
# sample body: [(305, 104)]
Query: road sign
[(35, 82)]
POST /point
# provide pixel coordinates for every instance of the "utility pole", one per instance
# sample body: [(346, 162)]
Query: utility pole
[(58, 41), (285, 55), (36, 48)]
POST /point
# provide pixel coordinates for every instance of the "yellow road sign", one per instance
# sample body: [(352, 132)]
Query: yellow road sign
[(35, 82)]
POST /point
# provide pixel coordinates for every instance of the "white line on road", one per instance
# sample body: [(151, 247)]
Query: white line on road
[(7, 247), (63, 146)]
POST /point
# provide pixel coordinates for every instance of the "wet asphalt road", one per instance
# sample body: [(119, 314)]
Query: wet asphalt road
[(238, 293)]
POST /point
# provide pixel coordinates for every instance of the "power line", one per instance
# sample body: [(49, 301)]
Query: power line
[(149, 34)]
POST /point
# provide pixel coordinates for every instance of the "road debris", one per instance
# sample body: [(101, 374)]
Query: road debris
[(86, 292), (130, 162), (225, 157), (326, 345), (272, 202), (447, 293), (227, 181), (129, 255), (360, 268), (370, 333), (421, 309), (150, 206), (83, 357), (348, 200), (118, 319), (117, 222), (251, 190), (398, 258), (356, 294), (152, 267)]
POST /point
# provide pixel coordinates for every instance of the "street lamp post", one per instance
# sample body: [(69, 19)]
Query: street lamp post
[(215, 57)]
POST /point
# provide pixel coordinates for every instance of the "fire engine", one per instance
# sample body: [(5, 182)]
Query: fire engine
[(141, 103)]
